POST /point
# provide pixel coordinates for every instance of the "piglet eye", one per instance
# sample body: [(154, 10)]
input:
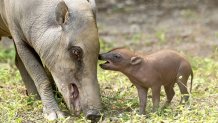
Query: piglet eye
[(117, 56)]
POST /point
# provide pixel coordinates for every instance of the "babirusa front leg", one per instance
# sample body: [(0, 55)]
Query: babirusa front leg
[(39, 76)]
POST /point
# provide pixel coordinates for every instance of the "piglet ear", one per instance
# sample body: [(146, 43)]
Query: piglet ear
[(61, 12), (136, 60)]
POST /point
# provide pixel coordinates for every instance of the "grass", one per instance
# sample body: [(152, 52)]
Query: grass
[(161, 36), (119, 97)]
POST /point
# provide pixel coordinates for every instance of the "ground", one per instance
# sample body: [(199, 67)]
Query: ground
[(191, 30)]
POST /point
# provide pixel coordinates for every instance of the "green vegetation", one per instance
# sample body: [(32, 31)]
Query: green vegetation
[(161, 36), (119, 97), (7, 54)]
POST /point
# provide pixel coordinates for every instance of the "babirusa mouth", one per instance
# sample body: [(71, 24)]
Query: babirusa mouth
[(75, 100), (74, 91)]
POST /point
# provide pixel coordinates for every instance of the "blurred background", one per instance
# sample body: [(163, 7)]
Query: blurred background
[(190, 26)]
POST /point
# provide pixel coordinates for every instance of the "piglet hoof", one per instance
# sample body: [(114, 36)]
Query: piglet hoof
[(54, 115), (141, 113), (155, 109), (166, 104)]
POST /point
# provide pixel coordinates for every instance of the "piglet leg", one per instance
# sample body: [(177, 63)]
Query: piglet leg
[(156, 97), (170, 93), (142, 93)]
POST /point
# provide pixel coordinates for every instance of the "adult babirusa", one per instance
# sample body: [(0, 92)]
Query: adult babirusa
[(57, 38)]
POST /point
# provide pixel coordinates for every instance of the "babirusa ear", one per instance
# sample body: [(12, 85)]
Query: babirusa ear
[(136, 60), (61, 12)]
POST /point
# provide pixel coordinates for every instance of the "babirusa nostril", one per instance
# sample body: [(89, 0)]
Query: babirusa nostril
[(93, 115)]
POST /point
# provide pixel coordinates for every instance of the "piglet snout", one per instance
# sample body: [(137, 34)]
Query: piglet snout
[(99, 57)]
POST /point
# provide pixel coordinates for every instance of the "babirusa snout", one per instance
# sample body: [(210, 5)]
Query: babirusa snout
[(93, 115)]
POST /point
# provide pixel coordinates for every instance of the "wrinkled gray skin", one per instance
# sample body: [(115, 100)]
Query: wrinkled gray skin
[(57, 38)]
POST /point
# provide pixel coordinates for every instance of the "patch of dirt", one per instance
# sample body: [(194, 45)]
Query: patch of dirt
[(190, 27)]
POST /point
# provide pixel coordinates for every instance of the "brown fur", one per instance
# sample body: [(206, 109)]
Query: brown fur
[(151, 71)]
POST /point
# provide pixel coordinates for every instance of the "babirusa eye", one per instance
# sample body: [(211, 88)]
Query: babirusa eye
[(76, 52)]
